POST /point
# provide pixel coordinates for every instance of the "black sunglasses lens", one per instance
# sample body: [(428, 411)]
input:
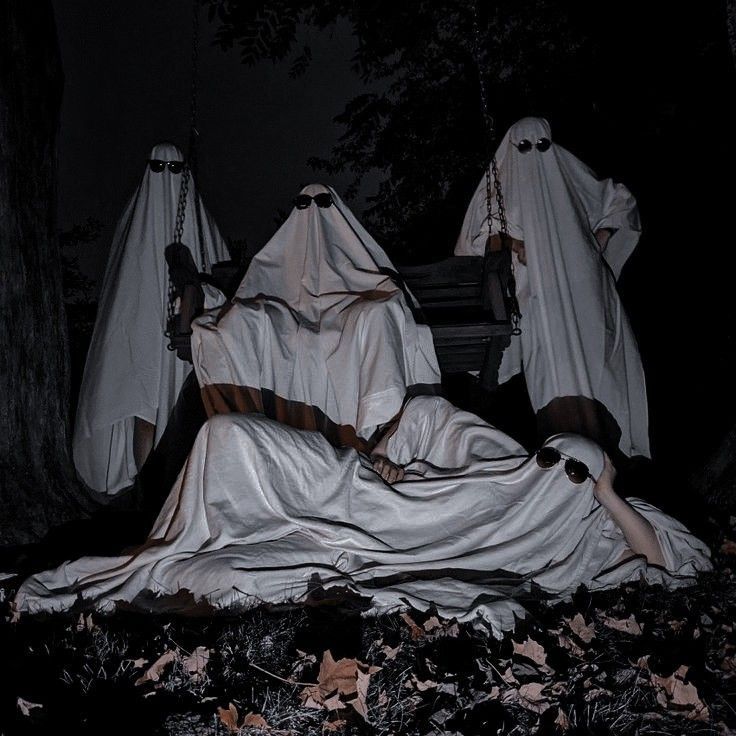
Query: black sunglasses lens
[(324, 199), (543, 144), (302, 201), (576, 471), (176, 167), (547, 457), (156, 165), (524, 145)]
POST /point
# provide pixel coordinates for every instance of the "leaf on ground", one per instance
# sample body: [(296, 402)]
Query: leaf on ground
[(562, 721), (390, 653), (674, 694), (256, 720), (596, 693), (567, 643), (531, 698), (728, 547), (154, 672), (414, 683), (509, 678), (436, 628), (85, 623), (26, 706), (340, 682), (329, 726), (585, 632), (229, 717), (627, 625), (531, 650), (416, 631), (138, 663), (196, 663)]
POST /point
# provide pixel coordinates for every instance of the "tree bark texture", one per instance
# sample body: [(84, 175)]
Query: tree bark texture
[(38, 487)]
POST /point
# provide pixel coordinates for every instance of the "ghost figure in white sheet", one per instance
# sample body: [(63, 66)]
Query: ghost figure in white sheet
[(129, 372), (261, 509), (576, 342), (319, 335)]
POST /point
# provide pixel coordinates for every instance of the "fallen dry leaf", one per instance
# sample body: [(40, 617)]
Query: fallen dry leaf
[(628, 625), (339, 683), (338, 725), (567, 643), (562, 721), (26, 706), (390, 653), (154, 672), (196, 663), (531, 698), (256, 720), (509, 678), (728, 547), (586, 632), (531, 650), (229, 717), (416, 631), (674, 694)]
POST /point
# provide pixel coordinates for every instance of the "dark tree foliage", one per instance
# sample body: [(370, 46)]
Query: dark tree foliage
[(38, 488), (612, 79)]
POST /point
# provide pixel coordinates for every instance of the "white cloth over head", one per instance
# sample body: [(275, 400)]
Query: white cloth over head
[(261, 508), (319, 334), (575, 337), (129, 370)]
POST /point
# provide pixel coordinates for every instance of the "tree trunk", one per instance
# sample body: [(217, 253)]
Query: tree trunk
[(38, 487)]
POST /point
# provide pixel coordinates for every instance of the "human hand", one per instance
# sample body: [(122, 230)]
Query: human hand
[(604, 485), (390, 472)]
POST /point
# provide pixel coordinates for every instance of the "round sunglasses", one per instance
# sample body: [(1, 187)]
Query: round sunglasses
[(576, 470), (157, 166), (323, 199), (525, 145)]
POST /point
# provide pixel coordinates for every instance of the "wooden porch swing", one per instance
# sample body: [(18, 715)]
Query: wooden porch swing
[(469, 302)]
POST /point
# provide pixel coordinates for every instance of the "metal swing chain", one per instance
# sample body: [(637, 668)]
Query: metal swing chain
[(493, 186), (190, 165)]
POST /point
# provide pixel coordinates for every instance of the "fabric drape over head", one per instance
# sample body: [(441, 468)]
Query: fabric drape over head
[(260, 509), (319, 334), (576, 339), (129, 370)]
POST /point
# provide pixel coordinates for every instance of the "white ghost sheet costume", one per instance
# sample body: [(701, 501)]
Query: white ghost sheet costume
[(575, 337), (260, 508), (319, 334), (129, 370)]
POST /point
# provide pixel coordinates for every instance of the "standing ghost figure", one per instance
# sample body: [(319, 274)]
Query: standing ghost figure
[(319, 335), (572, 234), (131, 380)]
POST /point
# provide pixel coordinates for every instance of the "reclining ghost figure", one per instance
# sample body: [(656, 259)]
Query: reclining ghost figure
[(319, 334), (470, 521), (131, 380), (571, 235)]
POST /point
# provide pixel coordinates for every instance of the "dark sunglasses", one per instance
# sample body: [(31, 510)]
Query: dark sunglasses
[(157, 166), (323, 199), (525, 145), (577, 471)]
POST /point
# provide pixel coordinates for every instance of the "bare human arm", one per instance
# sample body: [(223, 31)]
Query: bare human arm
[(389, 471), (637, 531)]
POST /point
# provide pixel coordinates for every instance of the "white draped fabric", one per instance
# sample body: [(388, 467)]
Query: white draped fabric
[(129, 370), (319, 331), (576, 339), (261, 508)]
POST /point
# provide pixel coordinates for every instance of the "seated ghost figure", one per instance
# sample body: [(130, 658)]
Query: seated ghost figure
[(131, 380), (571, 234), (474, 522), (319, 334)]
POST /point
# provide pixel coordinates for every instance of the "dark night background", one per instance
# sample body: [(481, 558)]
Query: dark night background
[(645, 98)]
